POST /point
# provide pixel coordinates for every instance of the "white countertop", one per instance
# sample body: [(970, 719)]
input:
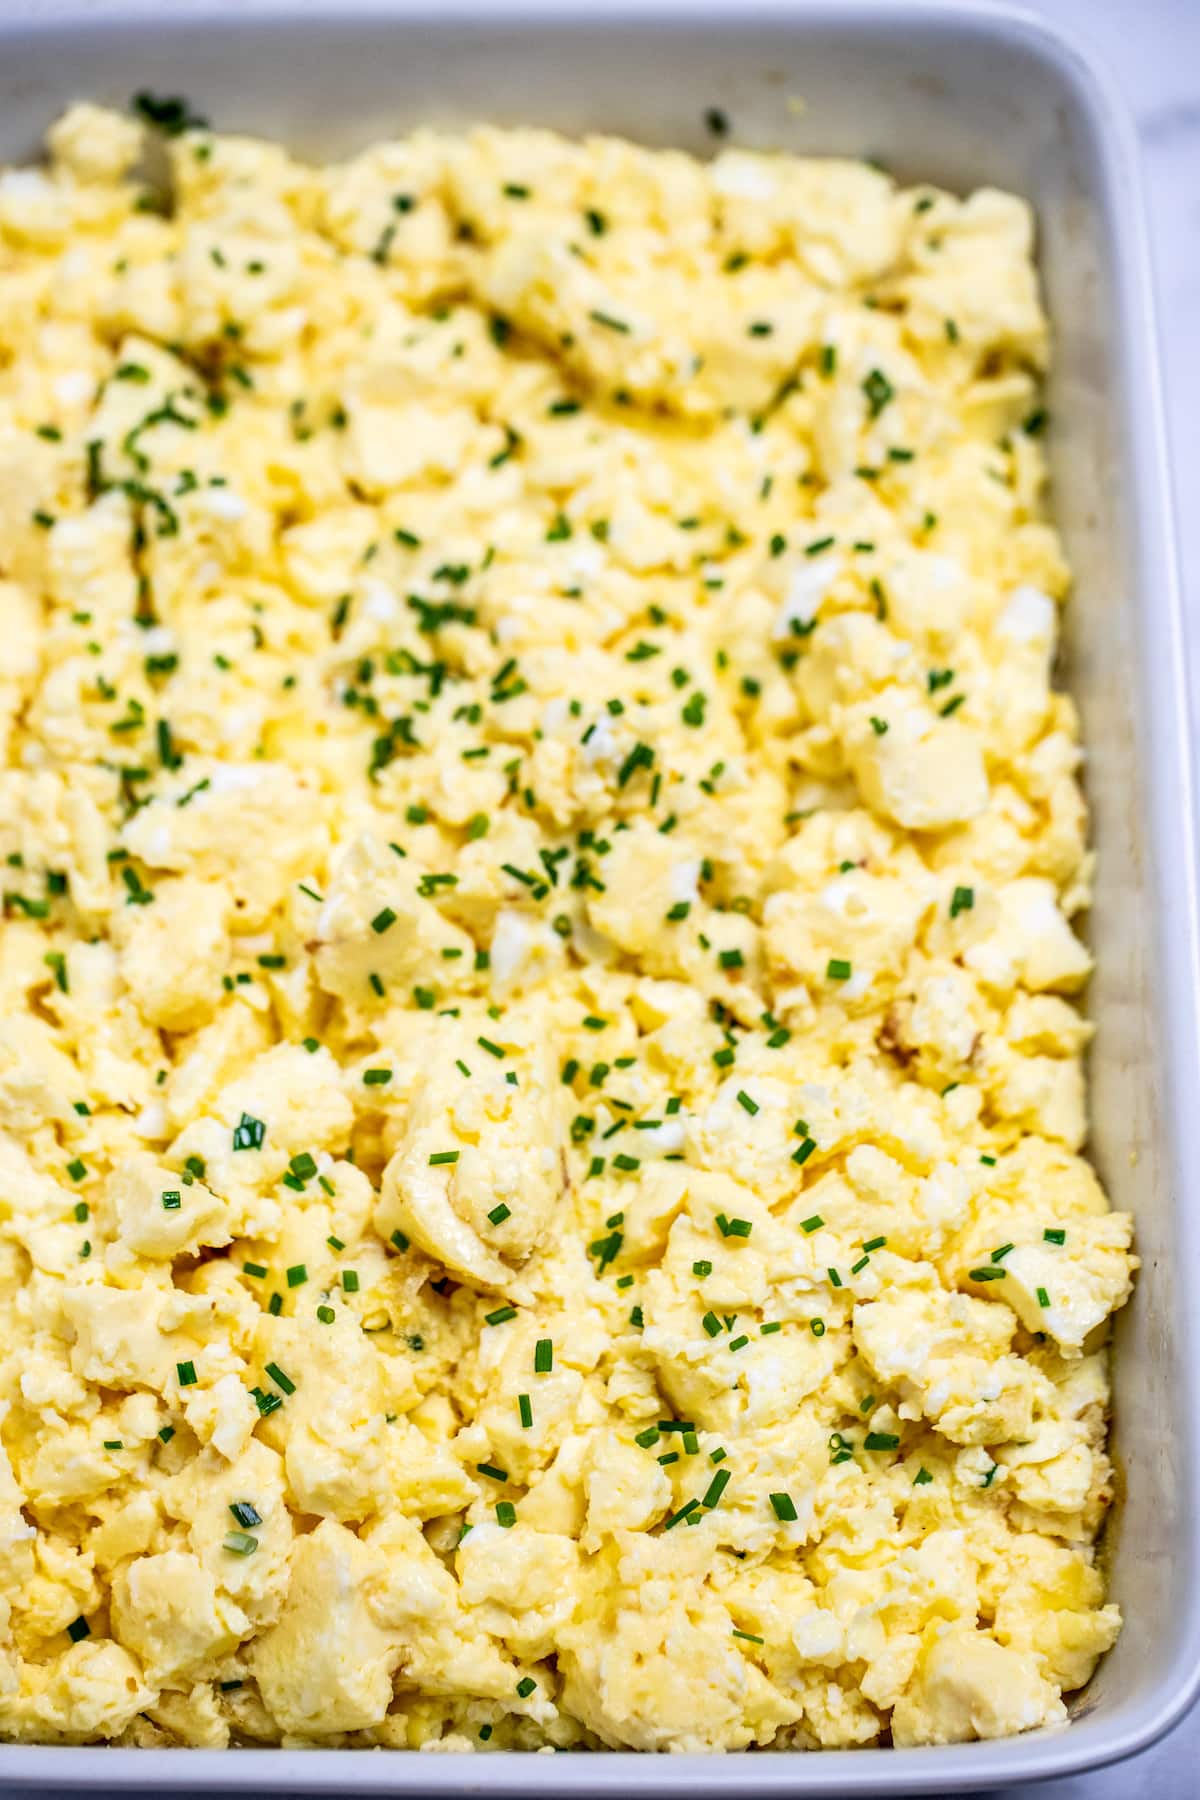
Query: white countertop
[(1152, 47)]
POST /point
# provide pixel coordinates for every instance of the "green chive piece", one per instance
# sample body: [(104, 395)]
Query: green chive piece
[(716, 1487), (279, 1378)]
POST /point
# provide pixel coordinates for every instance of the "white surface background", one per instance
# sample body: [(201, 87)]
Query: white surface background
[(1152, 47)]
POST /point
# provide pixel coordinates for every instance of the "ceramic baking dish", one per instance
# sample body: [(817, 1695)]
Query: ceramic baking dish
[(959, 96)]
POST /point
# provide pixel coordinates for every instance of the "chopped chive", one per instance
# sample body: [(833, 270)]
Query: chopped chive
[(716, 1487), (506, 1514), (837, 969), (525, 1409), (738, 1228), (878, 390), (442, 1156), (186, 1373), (279, 1378), (248, 1133), (746, 1103), (501, 1315), (784, 1507), (881, 1440), (1043, 1298), (609, 322), (492, 1472)]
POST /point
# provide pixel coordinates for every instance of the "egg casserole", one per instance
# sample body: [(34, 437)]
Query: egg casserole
[(540, 1077)]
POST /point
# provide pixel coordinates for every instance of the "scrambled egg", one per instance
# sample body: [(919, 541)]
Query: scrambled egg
[(540, 1078)]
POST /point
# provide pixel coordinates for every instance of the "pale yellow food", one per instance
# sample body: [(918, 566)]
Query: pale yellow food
[(540, 1074)]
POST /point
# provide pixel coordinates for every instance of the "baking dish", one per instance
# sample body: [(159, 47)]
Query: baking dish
[(963, 97)]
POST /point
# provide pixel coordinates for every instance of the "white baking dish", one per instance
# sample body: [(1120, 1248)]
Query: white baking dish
[(959, 96)]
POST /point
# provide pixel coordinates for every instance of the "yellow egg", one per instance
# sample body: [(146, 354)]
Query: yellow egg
[(540, 1084)]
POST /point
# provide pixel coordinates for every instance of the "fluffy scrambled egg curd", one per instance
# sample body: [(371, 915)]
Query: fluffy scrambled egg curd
[(540, 1077)]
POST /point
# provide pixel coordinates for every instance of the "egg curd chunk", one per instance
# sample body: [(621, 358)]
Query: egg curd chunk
[(541, 1106)]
